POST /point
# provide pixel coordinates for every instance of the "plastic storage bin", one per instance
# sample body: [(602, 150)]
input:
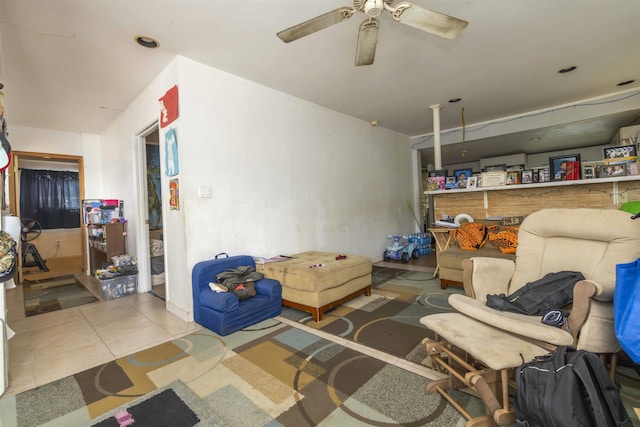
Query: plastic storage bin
[(118, 286), (125, 260)]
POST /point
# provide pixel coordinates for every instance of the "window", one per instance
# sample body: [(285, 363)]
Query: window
[(50, 197)]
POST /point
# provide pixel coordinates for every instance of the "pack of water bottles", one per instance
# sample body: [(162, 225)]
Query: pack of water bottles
[(422, 242)]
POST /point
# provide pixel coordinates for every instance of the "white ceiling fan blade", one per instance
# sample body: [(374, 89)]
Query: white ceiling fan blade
[(315, 24), (367, 42), (428, 20)]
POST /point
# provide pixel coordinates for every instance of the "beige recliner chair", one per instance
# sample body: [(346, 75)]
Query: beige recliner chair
[(480, 347)]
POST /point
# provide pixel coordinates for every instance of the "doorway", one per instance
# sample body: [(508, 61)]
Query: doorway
[(154, 211), (62, 250), (149, 216)]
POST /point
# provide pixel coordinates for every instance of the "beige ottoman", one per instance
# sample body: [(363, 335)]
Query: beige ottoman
[(318, 289)]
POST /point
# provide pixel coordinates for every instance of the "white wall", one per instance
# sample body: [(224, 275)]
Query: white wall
[(45, 141), (287, 175), (67, 143)]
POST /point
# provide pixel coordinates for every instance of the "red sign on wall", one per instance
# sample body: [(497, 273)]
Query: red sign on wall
[(169, 107)]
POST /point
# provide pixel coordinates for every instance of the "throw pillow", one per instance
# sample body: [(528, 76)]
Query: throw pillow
[(471, 235), (506, 239)]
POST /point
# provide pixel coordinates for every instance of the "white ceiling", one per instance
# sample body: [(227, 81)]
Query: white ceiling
[(73, 65)]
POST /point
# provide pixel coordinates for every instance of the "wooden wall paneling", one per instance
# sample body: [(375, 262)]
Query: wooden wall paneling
[(522, 201), (459, 202)]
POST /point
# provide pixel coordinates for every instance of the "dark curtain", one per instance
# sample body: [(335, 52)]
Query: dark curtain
[(50, 197)]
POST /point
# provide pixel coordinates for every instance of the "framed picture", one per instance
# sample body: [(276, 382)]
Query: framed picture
[(439, 172), (494, 179), (450, 183), (472, 182), (560, 165), (619, 152), (612, 170), (513, 177), (435, 183), (535, 175), (527, 176), (515, 168), (174, 194), (543, 175), (632, 168), (590, 170), (496, 168), (461, 177)]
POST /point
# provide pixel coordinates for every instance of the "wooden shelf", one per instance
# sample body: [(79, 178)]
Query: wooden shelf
[(523, 199), (109, 244), (540, 184)]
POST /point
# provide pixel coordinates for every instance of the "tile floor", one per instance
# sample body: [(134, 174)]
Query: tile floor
[(54, 345), (50, 346)]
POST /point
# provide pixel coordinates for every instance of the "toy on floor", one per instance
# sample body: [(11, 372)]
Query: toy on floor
[(401, 250)]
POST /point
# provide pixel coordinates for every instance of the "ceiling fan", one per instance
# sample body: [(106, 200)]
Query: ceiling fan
[(404, 12)]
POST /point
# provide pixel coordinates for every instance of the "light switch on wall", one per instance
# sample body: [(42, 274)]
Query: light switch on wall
[(204, 191)]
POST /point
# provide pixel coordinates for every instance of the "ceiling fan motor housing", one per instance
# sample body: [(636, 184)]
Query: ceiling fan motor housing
[(370, 7), (373, 8)]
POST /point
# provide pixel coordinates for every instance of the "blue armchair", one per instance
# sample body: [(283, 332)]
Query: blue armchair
[(222, 312)]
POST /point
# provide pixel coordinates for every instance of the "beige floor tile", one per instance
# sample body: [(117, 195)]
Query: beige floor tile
[(71, 361), (125, 343), (20, 356), (53, 345), (113, 314), (166, 320), (47, 320), (123, 326), (44, 349), (63, 330), (180, 330), (21, 341), (21, 378), (19, 325)]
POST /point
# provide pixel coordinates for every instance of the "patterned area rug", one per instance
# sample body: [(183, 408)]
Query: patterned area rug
[(389, 319), (271, 374), (45, 296)]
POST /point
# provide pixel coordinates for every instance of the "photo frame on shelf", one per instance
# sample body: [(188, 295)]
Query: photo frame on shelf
[(472, 182), (619, 153), (590, 170), (461, 177), (632, 168), (450, 183), (610, 170), (494, 179), (436, 183), (496, 168), (561, 170), (527, 176), (535, 175), (438, 172), (543, 175), (513, 177), (515, 168), (478, 176)]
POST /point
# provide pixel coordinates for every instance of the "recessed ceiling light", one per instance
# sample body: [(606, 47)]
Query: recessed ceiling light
[(628, 82), (567, 69), (146, 41), (453, 100)]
